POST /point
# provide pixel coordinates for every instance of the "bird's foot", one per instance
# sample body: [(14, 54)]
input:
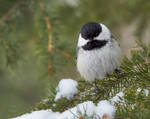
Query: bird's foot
[(118, 71)]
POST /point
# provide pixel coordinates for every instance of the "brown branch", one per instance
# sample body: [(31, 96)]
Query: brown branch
[(9, 13), (50, 47)]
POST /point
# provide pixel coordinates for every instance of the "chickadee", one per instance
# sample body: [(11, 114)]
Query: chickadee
[(98, 53)]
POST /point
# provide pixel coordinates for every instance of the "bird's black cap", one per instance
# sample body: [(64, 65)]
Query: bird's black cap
[(90, 30)]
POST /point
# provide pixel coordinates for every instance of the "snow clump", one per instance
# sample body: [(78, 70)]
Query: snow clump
[(66, 88)]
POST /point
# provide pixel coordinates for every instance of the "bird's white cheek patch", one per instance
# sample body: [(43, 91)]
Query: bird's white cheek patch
[(81, 41)]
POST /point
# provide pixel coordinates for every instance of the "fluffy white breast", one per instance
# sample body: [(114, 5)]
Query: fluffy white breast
[(95, 64)]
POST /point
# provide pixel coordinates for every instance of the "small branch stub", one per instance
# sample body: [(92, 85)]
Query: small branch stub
[(80, 117)]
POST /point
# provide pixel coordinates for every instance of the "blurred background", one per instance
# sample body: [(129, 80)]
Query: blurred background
[(38, 42)]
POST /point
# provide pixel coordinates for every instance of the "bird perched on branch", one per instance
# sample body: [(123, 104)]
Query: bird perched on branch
[(98, 52)]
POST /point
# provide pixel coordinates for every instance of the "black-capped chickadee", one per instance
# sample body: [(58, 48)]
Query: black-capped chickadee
[(98, 53)]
